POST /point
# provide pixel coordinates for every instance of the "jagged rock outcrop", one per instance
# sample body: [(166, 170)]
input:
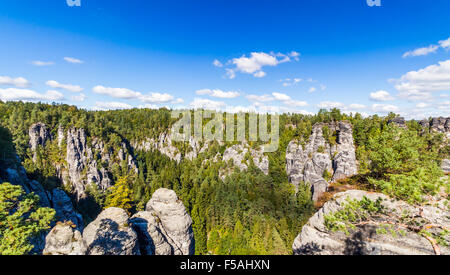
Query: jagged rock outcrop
[(242, 155), (165, 228), (44, 197), (313, 161), (398, 121), (173, 223), (152, 241), (63, 206), (83, 161), (440, 125), (366, 238), (163, 144), (39, 135), (111, 234), (63, 239)]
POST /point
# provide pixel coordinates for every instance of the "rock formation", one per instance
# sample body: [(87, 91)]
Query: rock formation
[(65, 211), (367, 238), (165, 228), (63, 239), (398, 121), (39, 135), (439, 125), (111, 234), (173, 221), (317, 161), (241, 156)]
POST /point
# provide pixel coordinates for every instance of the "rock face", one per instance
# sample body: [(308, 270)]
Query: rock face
[(83, 167), (111, 234), (165, 228), (440, 125), (64, 208), (63, 239), (173, 222), (242, 155), (163, 145), (398, 121), (316, 239), (309, 162), (39, 135)]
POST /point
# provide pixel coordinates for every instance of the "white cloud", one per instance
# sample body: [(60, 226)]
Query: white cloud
[(381, 96), (384, 108), (231, 74), (42, 63), (156, 98), (295, 103), (330, 105), (104, 106), (18, 82), (259, 74), (217, 63), (73, 60), (445, 44), (323, 87), (444, 106), (201, 103), (418, 85), (12, 94), (423, 105), (259, 98), (290, 82), (78, 98), (218, 93), (281, 97), (177, 101), (357, 106), (116, 92), (72, 88), (312, 89), (257, 60), (421, 51)]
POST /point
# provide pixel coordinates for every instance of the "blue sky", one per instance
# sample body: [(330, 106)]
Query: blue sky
[(285, 56)]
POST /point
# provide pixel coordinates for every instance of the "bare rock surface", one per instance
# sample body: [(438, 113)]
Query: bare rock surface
[(315, 238), (172, 223), (310, 161), (111, 234), (63, 239), (39, 135)]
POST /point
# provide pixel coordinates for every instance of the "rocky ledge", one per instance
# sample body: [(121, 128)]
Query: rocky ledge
[(395, 228), (165, 228)]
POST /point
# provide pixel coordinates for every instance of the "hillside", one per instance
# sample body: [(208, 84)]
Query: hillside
[(236, 199)]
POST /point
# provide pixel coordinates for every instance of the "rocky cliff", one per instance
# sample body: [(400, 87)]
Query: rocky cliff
[(318, 161), (394, 228), (165, 228), (85, 163), (439, 125)]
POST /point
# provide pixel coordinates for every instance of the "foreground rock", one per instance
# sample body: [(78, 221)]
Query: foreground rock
[(165, 228), (317, 162), (111, 234), (63, 239), (172, 221), (399, 236)]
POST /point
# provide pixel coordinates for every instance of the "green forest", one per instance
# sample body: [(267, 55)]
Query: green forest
[(249, 212)]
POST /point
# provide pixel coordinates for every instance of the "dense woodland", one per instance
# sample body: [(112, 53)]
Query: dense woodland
[(249, 212)]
